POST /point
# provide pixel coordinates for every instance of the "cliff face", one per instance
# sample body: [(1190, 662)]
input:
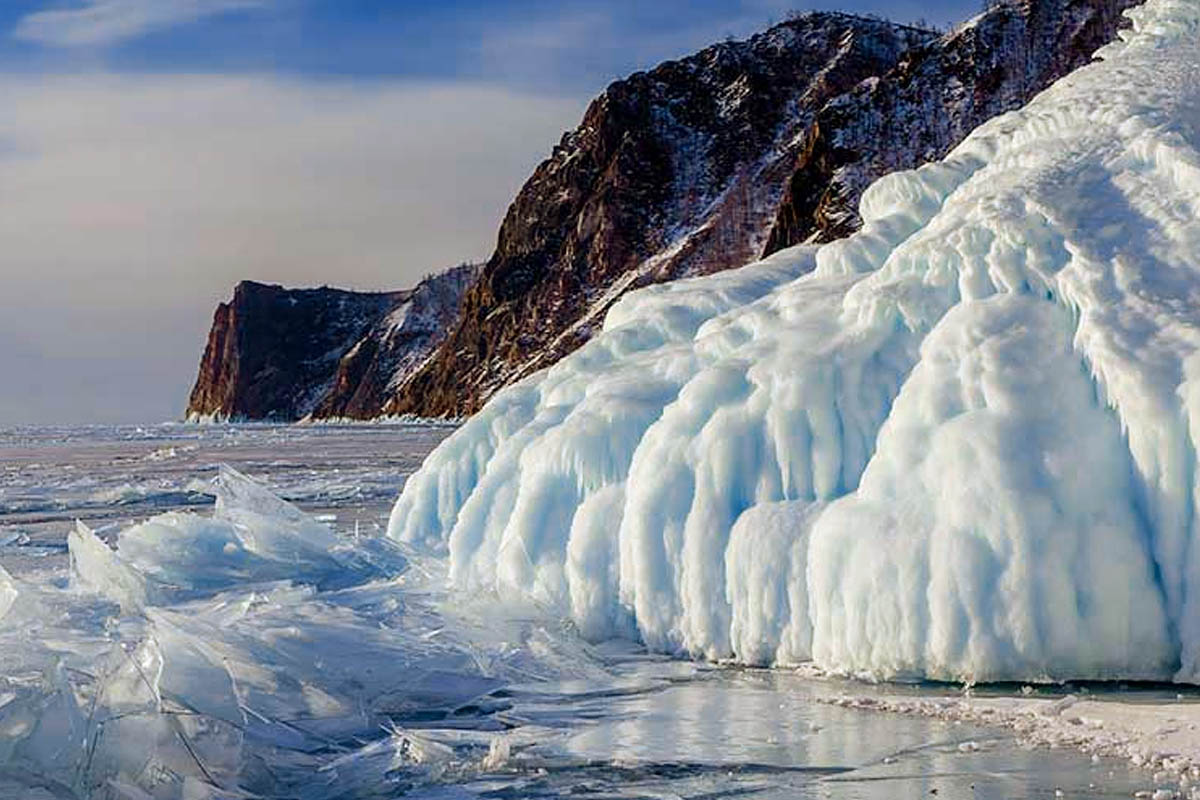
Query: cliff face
[(673, 172), (285, 354), (369, 372), (272, 351), (937, 94)]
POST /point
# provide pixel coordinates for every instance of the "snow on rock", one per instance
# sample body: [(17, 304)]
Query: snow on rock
[(962, 447)]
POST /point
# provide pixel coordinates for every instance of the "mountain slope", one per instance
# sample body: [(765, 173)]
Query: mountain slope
[(939, 92), (367, 375), (673, 172)]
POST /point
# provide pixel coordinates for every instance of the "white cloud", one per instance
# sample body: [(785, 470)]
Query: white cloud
[(605, 45), (102, 22), (130, 205)]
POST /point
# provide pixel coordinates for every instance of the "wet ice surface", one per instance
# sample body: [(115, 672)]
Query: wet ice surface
[(250, 649), (707, 731)]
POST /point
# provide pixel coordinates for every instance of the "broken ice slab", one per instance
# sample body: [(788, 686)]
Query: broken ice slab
[(252, 538), (8, 592), (96, 568), (205, 657)]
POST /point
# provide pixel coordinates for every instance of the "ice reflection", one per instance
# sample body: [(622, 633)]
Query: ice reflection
[(764, 734)]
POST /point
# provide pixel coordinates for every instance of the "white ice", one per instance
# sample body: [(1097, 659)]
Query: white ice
[(960, 444), (250, 653)]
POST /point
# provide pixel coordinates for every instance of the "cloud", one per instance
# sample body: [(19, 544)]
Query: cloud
[(583, 43), (587, 45), (132, 204), (104, 22)]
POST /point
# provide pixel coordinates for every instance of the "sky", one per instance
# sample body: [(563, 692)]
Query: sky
[(155, 152)]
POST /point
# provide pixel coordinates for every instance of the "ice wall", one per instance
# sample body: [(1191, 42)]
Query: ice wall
[(959, 444)]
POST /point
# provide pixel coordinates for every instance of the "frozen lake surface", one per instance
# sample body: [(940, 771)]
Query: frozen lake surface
[(107, 476), (178, 669)]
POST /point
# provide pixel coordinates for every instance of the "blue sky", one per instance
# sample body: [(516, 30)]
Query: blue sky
[(155, 152), (551, 45)]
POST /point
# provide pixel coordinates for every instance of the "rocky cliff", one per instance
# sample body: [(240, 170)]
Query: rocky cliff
[(673, 172), (369, 372), (938, 93), (285, 354)]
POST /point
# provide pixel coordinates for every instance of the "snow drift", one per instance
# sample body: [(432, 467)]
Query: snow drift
[(960, 444)]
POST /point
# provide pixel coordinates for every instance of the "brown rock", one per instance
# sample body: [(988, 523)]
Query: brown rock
[(673, 172)]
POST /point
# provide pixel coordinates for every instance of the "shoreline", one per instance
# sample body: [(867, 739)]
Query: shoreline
[(1161, 738)]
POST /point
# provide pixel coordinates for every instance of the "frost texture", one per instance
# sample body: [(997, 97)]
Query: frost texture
[(960, 444)]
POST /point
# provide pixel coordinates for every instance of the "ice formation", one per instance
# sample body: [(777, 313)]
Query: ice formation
[(253, 653), (960, 444)]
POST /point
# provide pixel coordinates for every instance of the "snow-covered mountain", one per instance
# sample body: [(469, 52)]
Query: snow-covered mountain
[(959, 444)]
